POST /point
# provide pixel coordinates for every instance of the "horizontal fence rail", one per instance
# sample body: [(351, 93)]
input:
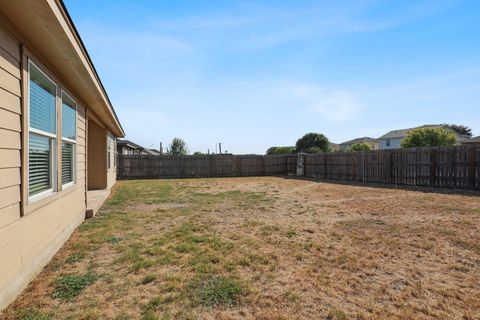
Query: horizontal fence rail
[(204, 166), (452, 167)]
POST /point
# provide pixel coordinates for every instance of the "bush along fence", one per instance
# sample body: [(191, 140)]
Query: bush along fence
[(204, 166), (453, 167)]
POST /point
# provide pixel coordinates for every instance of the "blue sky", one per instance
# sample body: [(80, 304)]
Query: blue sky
[(255, 74)]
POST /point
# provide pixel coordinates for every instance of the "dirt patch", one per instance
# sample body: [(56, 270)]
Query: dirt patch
[(268, 248)]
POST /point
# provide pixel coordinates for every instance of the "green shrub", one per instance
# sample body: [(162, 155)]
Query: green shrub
[(313, 143), (70, 286), (429, 137), (361, 147), (281, 150)]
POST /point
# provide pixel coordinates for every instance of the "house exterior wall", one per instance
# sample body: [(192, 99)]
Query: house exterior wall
[(97, 156), (112, 170), (30, 232), (394, 144)]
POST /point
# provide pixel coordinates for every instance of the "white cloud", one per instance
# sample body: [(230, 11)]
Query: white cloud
[(335, 105)]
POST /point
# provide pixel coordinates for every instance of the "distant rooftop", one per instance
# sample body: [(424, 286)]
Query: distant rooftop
[(128, 143), (472, 140), (359, 140), (402, 133)]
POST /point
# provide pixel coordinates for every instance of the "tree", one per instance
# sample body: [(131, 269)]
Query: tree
[(281, 150), (460, 129), (198, 153), (313, 143), (425, 137), (178, 147), (361, 147)]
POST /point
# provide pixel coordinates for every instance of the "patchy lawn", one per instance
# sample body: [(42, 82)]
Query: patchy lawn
[(265, 248)]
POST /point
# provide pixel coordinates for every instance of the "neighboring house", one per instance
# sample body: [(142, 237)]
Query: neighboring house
[(57, 137), (475, 140), (347, 145), (393, 139), (153, 152), (334, 147), (127, 147)]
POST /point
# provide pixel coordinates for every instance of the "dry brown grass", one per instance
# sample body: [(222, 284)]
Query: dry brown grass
[(267, 248)]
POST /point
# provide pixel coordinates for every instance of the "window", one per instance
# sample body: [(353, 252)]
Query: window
[(388, 142), (69, 137), (42, 133), (109, 151)]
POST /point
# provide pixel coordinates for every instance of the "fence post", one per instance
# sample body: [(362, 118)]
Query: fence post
[(354, 166), (120, 166), (300, 164), (182, 172), (149, 166), (391, 157), (433, 167), (325, 165), (211, 166), (239, 167), (472, 163), (263, 165)]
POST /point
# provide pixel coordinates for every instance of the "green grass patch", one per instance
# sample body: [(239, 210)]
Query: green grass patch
[(113, 239), (70, 286), (216, 291), (291, 233), (150, 277), (33, 314), (75, 257), (337, 315), (148, 192)]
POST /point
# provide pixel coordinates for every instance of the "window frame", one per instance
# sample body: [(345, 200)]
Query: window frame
[(110, 152), (70, 141), (53, 140)]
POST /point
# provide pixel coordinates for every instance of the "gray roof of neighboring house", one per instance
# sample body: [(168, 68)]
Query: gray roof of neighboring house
[(153, 152), (472, 140), (128, 143), (402, 133), (359, 140)]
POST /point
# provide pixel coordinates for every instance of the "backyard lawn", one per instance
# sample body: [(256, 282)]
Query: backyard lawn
[(265, 248)]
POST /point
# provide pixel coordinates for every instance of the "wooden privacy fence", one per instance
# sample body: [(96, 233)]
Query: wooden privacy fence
[(165, 166), (454, 167)]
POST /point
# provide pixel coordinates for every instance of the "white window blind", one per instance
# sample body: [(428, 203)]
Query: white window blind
[(42, 119), (67, 162), (39, 163), (69, 116), (69, 129), (42, 102)]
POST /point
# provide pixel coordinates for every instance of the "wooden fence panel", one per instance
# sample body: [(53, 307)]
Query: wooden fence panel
[(315, 165), (455, 167), (477, 169)]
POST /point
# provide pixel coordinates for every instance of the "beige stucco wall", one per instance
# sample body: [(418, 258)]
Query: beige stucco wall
[(28, 242)]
